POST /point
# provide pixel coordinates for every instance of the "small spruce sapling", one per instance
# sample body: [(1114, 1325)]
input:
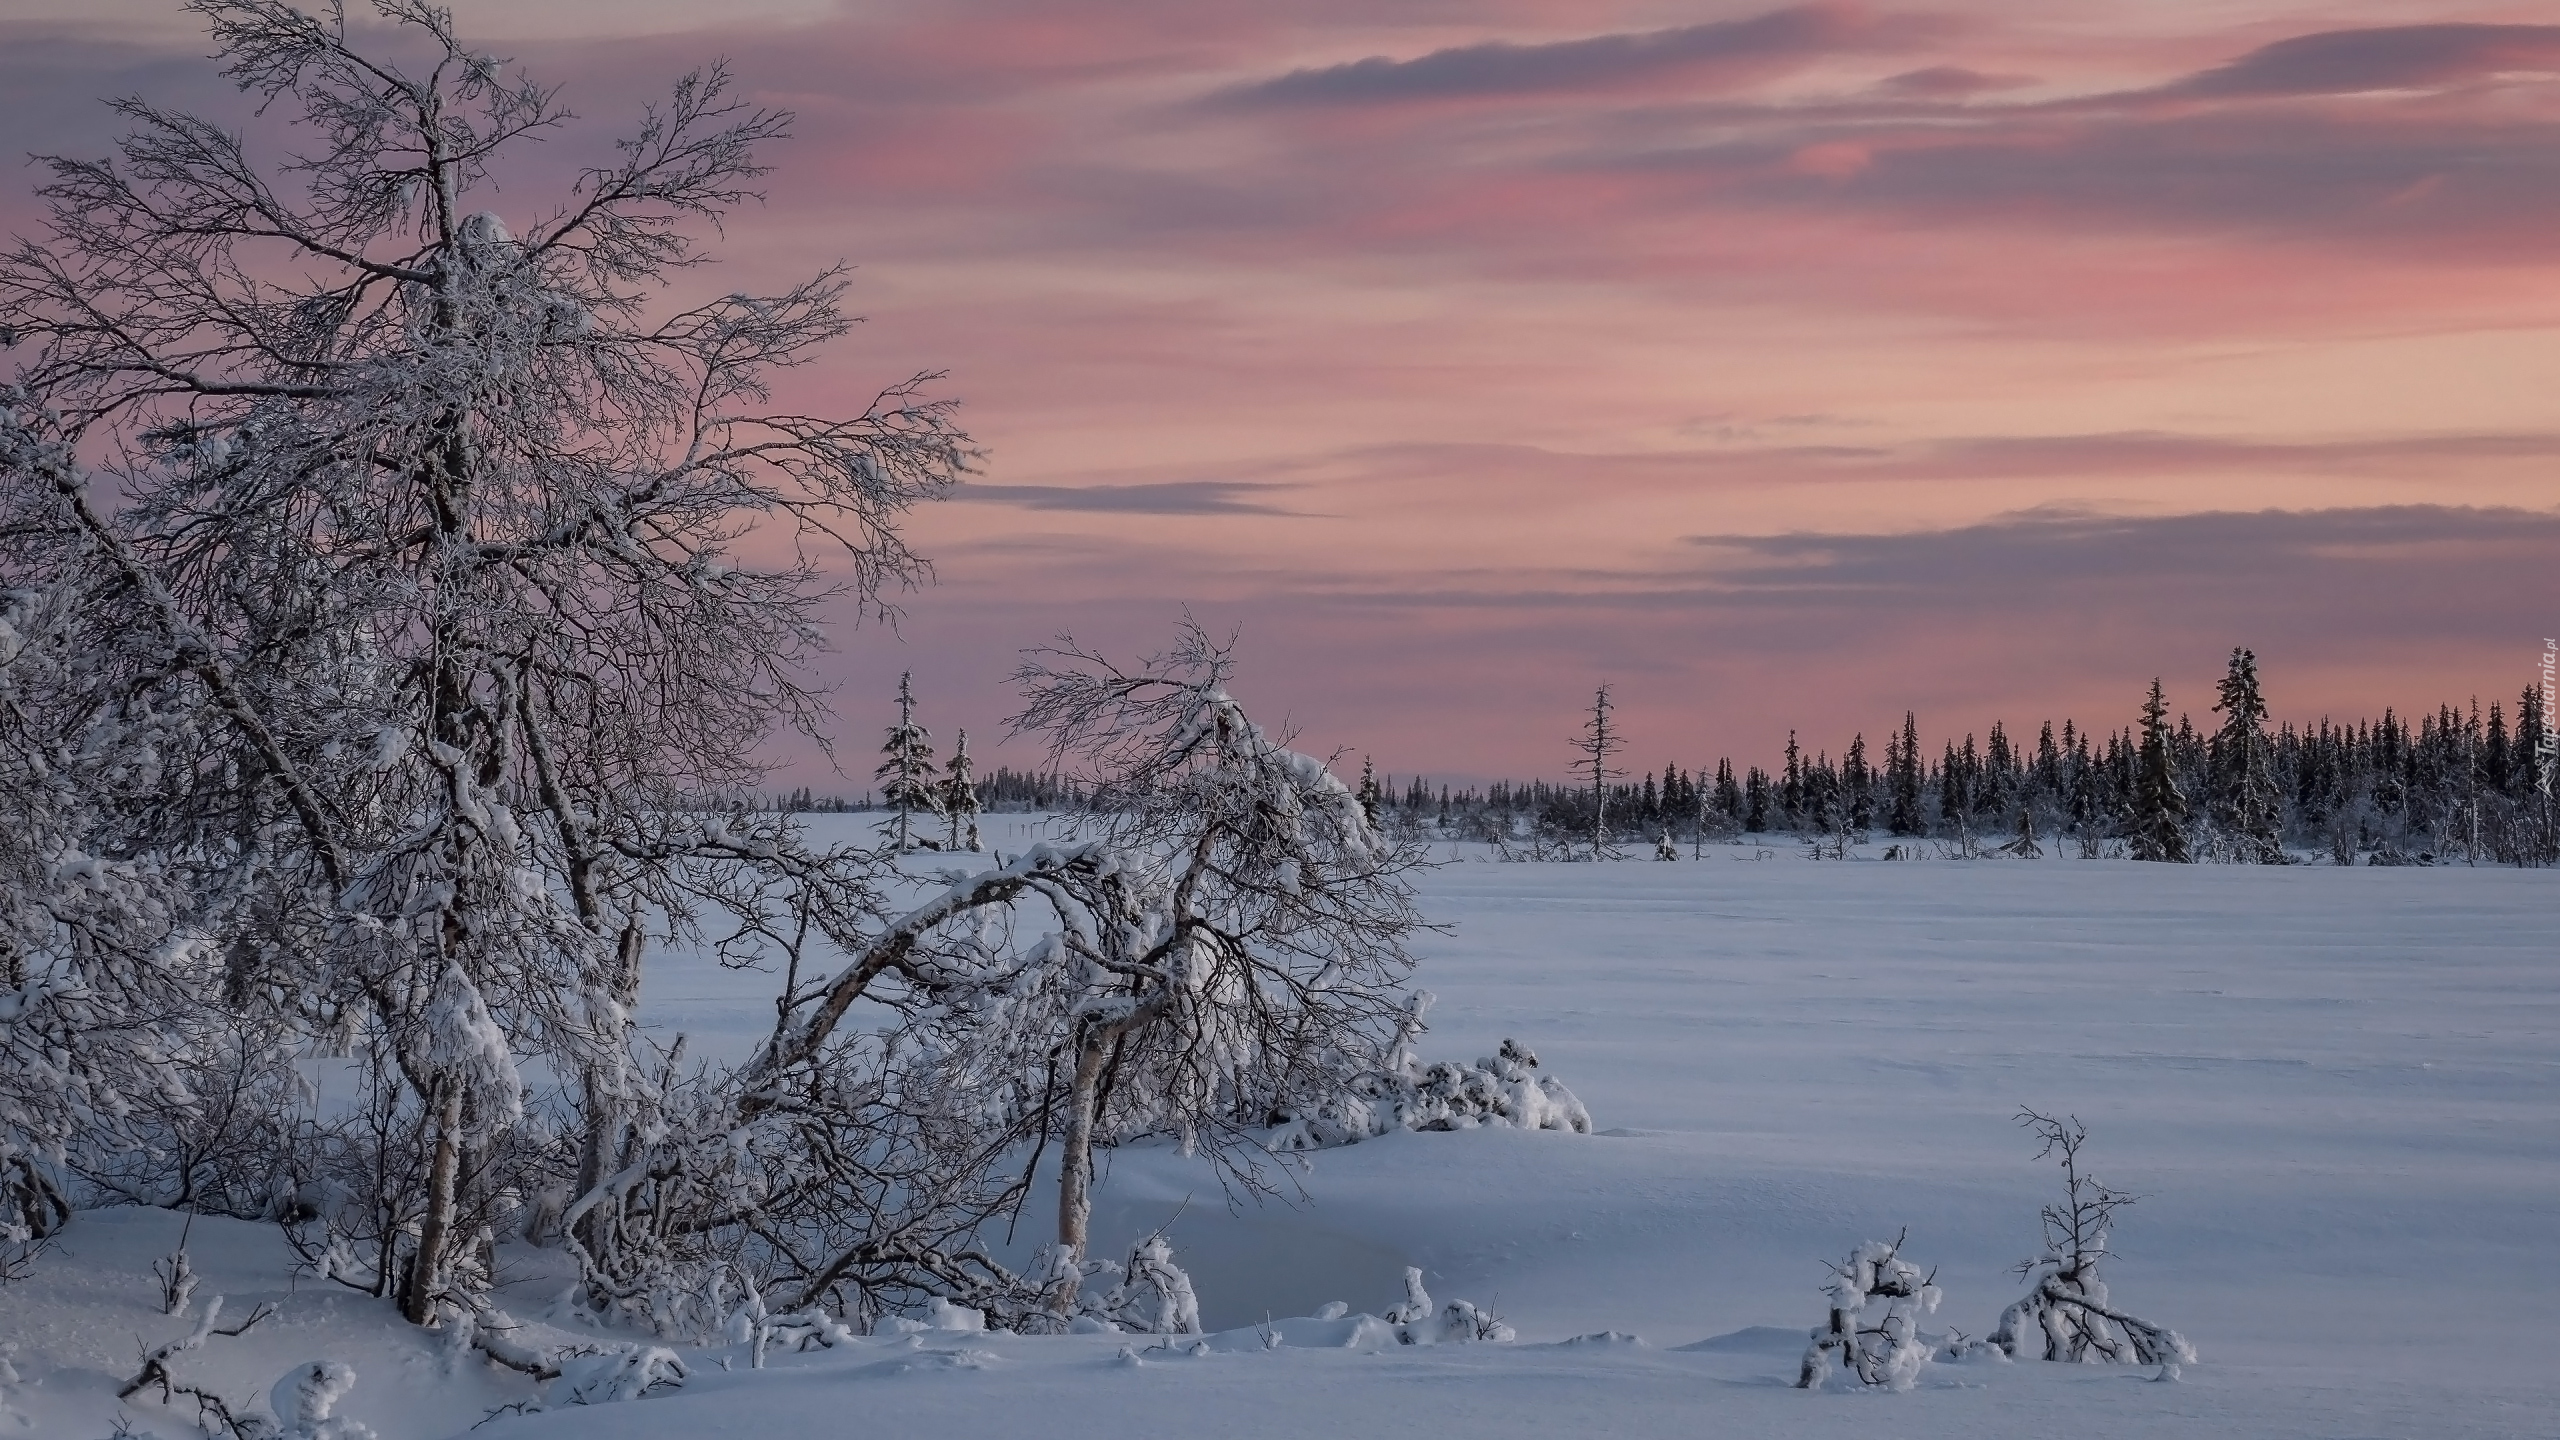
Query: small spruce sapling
[(2068, 1304)]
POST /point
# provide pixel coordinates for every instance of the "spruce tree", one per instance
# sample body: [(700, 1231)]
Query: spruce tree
[(1861, 784), (1791, 795), (906, 772), (2530, 772), (960, 795), (1953, 799), (1905, 765), (1993, 775), (1369, 795), (2158, 828), (2246, 804)]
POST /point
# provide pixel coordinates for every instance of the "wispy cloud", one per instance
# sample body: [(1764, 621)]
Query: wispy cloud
[(1724, 51), (1446, 286), (2315, 552), (2391, 57), (1171, 497)]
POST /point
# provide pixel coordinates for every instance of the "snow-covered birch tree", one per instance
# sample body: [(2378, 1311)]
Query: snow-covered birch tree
[(421, 525), (1258, 962)]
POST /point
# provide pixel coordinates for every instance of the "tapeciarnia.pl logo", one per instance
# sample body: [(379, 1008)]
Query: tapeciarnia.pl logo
[(2547, 743)]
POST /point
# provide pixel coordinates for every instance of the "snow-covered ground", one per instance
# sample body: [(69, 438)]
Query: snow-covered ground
[(2337, 1090)]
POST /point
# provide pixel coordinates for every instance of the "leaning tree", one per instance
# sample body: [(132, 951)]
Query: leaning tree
[(412, 559), (1217, 948)]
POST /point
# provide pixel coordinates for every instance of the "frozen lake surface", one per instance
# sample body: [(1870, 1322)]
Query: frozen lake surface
[(2337, 1091)]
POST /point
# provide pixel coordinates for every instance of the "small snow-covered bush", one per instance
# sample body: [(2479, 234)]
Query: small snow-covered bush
[(1888, 1352), (2066, 1313), (306, 1401), (1150, 1295), (1459, 1322), (1154, 1296)]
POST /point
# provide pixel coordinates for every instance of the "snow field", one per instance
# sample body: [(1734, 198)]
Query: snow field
[(2337, 1090)]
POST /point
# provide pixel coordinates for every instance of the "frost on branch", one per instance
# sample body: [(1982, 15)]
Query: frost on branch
[(1879, 1345), (2067, 1315)]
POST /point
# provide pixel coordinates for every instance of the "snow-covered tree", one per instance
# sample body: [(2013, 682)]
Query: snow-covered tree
[(421, 534), (960, 796), (1902, 779), (1220, 947), (2067, 1314), (907, 783), (1248, 958), (2156, 829), (1599, 742), (2246, 804)]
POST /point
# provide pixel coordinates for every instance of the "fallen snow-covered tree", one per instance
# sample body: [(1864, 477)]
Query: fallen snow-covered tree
[(1881, 1350), (1404, 1094), (2066, 1313)]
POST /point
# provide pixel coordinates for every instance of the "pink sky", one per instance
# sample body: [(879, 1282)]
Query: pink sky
[(1783, 367)]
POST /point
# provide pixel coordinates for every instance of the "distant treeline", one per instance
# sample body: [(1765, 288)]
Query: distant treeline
[(1002, 789), (2460, 783)]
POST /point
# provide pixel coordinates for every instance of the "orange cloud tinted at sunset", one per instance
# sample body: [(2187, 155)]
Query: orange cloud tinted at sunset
[(1787, 367)]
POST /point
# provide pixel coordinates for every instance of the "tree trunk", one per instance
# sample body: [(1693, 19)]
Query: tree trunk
[(426, 1268), (600, 1153), (1075, 1170)]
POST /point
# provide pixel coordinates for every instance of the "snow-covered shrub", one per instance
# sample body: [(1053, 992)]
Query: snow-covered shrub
[(2066, 1314), (1880, 1349), (1501, 1089), (1459, 1322), (1150, 1295), (306, 1402)]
